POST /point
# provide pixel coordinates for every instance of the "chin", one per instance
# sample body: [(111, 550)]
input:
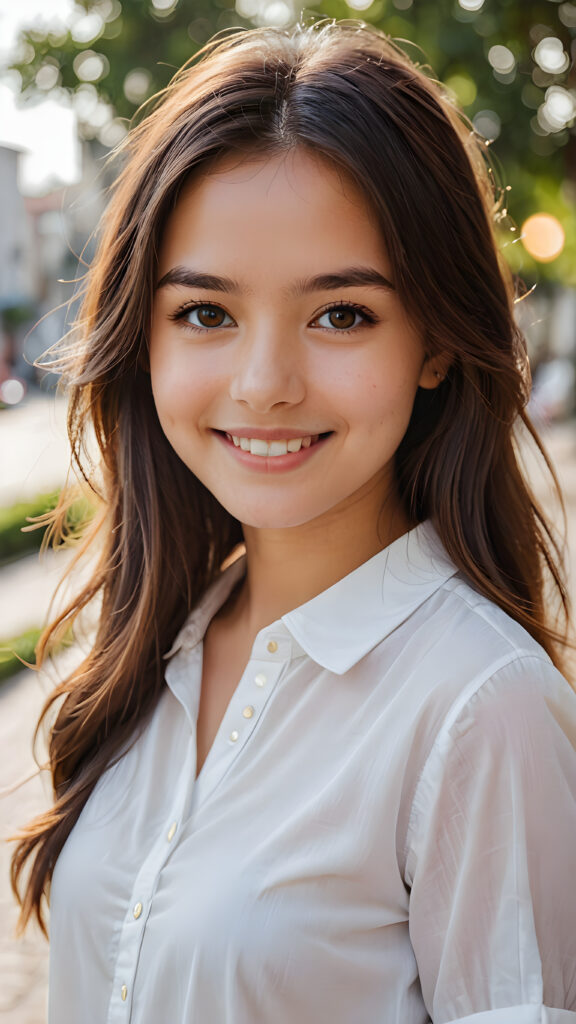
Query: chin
[(272, 518)]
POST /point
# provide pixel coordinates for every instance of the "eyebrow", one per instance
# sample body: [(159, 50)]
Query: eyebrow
[(194, 279), (347, 278)]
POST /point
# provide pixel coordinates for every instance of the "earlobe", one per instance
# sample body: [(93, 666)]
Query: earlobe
[(434, 372)]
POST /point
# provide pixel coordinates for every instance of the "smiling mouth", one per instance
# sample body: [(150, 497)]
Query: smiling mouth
[(273, 449)]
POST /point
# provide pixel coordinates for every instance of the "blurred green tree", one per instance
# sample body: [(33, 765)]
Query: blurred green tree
[(509, 64)]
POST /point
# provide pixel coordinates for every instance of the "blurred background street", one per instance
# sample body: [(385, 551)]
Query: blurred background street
[(73, 74)]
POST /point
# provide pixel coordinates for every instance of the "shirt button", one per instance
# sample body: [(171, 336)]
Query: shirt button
[(172, 831), (137, 911), (260, 679), (248, 711), (123, 993), (272, 646), (234, 735)]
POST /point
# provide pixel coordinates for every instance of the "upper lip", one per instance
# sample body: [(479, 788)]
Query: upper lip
[(272, 434)]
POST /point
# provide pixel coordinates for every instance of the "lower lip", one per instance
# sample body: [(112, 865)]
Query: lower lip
[(272, 463)]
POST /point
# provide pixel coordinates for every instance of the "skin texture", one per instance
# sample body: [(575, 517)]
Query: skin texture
[(284, 361), (278, 364)]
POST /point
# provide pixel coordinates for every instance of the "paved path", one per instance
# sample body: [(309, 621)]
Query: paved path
[(33, 460), (26, 587), (23, 964), (33, 448)]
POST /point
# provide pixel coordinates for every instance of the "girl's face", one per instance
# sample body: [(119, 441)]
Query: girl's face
[(283, 365)]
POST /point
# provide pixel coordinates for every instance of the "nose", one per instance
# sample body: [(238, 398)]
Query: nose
[(269, 369)]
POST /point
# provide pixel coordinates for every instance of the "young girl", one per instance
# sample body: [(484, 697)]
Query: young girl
[(331, 778)]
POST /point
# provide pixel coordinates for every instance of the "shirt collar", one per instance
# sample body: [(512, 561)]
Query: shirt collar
[(342, 624)]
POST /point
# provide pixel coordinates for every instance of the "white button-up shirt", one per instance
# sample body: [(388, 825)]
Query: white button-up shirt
[(383, 832)]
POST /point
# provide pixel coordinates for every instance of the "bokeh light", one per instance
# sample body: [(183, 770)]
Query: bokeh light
[(110, 10), (164, 7), (558, 109), (463, 87), (136, 85), (543, 237), (85, 100), (567, 14), (47, 76), (487, 124), (90, 66), (551, 56), (12, 391), (471, 5), (87, 28), (248, 8), (276, 13), (359, 5), (502, 59), (112, 133)]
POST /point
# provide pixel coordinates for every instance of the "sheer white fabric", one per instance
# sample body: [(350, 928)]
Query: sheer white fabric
[(384, 831)]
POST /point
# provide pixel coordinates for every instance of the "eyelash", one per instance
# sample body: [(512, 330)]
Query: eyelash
[(369, 318)]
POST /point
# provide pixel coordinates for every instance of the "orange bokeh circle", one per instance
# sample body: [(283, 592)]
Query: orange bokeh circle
[(543, 237)]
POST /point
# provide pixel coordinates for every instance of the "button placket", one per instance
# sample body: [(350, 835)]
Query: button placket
[(242, 715), (141, 898)]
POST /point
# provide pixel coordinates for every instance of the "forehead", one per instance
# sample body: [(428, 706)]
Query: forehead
[(271, 209)]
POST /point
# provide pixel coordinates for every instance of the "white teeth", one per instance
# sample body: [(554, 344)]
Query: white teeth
[(295, 444), (278, 448), (258, 447), (272, 449)]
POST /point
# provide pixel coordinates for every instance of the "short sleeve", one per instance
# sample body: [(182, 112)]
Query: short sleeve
[(491, 855)]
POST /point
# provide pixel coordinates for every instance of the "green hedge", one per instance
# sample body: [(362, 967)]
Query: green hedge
[(19, 649), (11, 651), (14, 543)]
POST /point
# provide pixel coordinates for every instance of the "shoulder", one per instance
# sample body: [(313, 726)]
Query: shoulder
[(461, 641), (481, 697), (489, 673), (484, 628), (506, 734), (455, 646)]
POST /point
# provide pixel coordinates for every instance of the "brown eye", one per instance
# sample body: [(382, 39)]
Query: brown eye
[(344, 318), (202, 317), (209, 316)]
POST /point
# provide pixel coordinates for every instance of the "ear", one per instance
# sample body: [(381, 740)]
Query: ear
[(434, 371)]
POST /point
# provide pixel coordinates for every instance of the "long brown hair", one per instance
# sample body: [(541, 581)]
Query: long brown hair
[(346, 92)]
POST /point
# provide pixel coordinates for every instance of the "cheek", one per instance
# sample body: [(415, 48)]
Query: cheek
[(379, 397), (180, 389)]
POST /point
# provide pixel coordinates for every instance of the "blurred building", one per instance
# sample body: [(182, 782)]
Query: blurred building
[(18, 266), (45, 246)]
